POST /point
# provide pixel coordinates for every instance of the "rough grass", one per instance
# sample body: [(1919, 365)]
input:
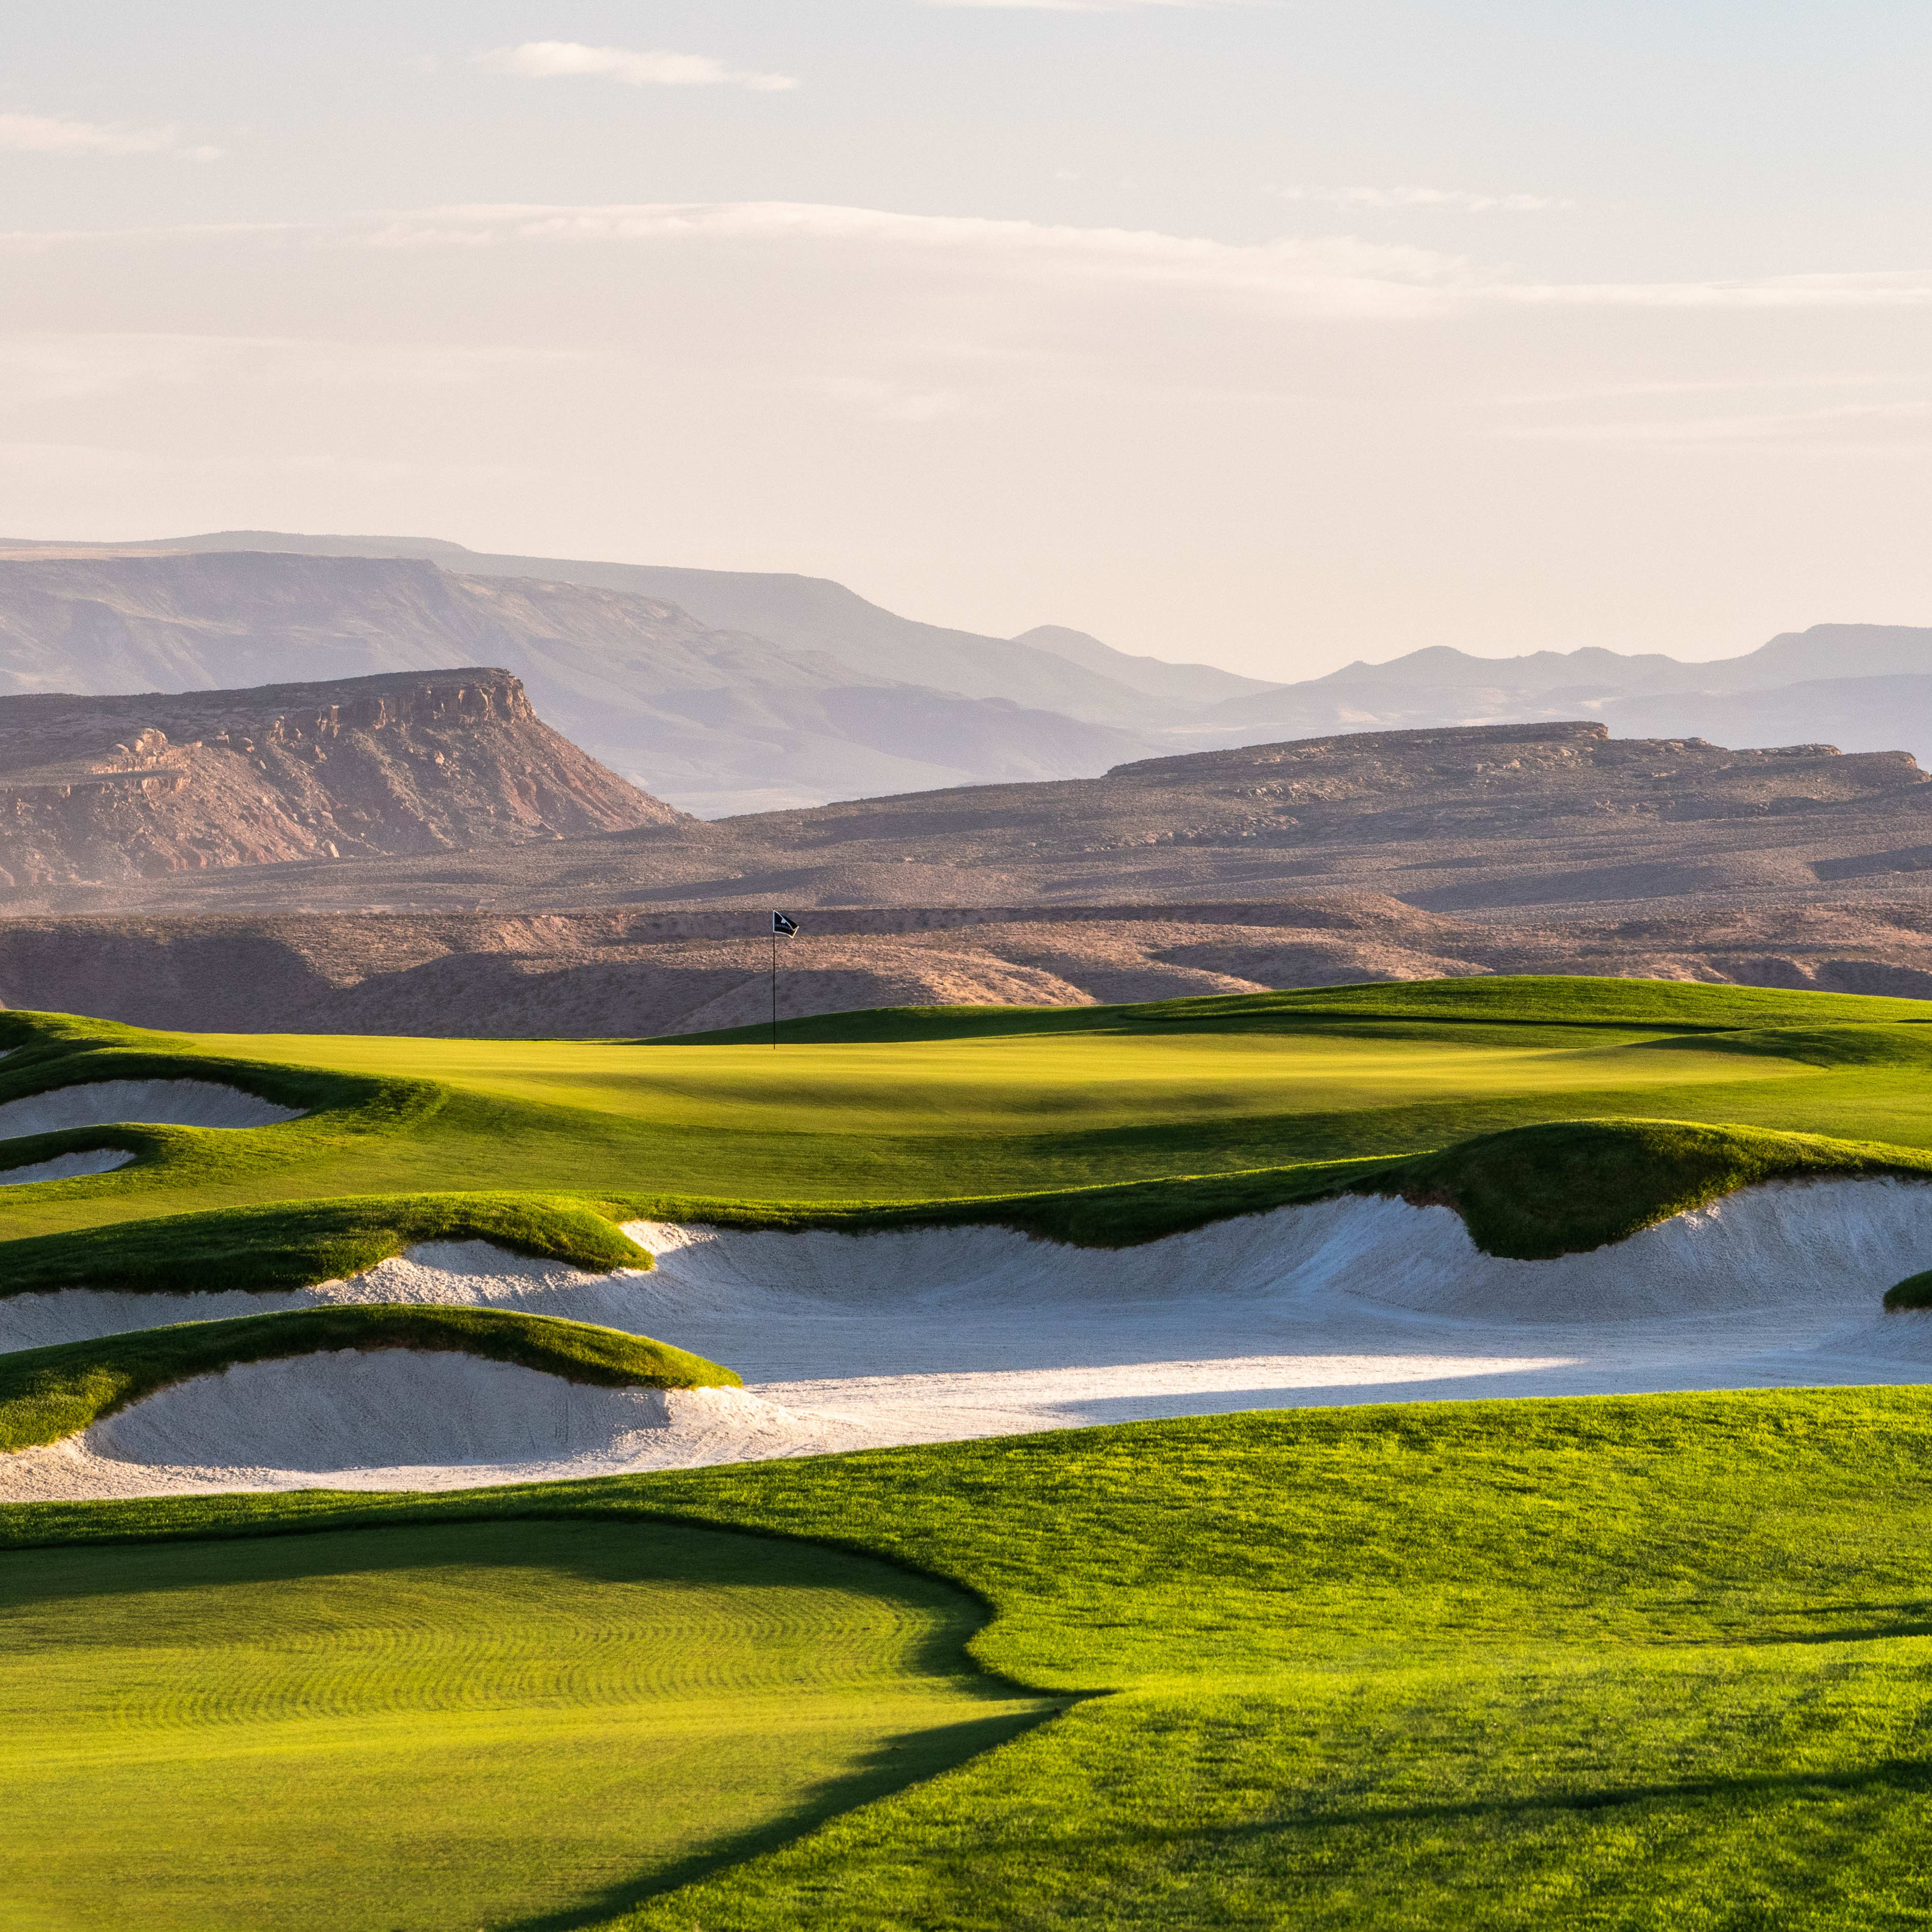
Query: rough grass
[(511, 1725), (1642, 1663), (1571, 1185), (47, 1394)]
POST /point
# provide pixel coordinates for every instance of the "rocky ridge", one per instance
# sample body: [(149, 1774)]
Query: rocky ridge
[(97, 792)]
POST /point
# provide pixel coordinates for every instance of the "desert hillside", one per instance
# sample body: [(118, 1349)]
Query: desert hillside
[(626, 973), (1472, 819), (97, 792), (1367, 857)]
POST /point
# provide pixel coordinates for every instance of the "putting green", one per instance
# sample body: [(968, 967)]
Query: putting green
[(1006, 1086), (522, 1723)]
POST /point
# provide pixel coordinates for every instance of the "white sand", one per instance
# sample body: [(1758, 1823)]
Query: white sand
[(935, 1334), (66, 1167), (440, 1420), (159, 1103)]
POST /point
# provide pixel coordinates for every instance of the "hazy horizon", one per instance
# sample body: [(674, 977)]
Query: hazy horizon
[(1262, 335)]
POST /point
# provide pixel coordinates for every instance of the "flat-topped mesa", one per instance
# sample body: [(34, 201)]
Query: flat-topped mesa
[(41, 729), (116, 788)]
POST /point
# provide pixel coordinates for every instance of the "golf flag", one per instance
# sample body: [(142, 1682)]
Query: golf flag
[(783, 928)]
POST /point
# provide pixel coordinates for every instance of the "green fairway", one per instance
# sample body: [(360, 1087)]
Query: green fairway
[(1219, 1105), (470, 1725), (1642, 1662)]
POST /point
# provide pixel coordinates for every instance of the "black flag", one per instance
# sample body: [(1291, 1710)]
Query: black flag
[(783, 928)]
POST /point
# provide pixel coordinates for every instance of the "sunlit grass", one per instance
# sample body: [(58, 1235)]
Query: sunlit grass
[(470, 1725), (1639, 1663)]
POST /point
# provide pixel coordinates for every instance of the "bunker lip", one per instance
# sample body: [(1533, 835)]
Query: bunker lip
[(849, 1341), (66, 1166), (160, 1103)]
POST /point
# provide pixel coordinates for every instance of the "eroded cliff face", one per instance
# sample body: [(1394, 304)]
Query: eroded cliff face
[(113, 789)]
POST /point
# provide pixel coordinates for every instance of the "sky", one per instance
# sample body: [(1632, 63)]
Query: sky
[(1273, 334)]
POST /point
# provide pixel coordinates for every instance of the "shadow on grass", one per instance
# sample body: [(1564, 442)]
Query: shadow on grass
[(1903, 1775), (908, 1758)]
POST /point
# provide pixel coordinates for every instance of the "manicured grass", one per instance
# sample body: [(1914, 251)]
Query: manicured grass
[(293, 1244), (1103, 1124), (455, 1725), (1639, 1663), (48, 1393)]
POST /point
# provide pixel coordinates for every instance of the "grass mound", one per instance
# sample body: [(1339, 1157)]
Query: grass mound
[(46, 1394), (1529, 1193), (1915, 1291), (1567, 1186), (286, 1244), (1623, 1663)]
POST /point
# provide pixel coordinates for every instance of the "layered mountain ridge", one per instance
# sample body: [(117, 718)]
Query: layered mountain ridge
[(728, 691), (715, 719)]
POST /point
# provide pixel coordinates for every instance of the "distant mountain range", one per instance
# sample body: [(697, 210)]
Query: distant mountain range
[(730, 691), (1862, 687), (713, 718)]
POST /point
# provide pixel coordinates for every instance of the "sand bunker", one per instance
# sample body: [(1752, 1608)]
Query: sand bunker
[(160, 1103), (927, 1335), (66, 1167), (395, 1419)]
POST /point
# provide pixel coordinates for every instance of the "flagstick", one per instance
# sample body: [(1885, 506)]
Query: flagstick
[(775, 988)]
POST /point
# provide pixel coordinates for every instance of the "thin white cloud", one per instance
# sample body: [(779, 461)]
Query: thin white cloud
[(1461, 200), (1902, 288), (52, 134), (1339, 274), (1315, 275), (96, 464), (45, 366), (558, 60), (1335, 274), (893, 401), (1907, 422)]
